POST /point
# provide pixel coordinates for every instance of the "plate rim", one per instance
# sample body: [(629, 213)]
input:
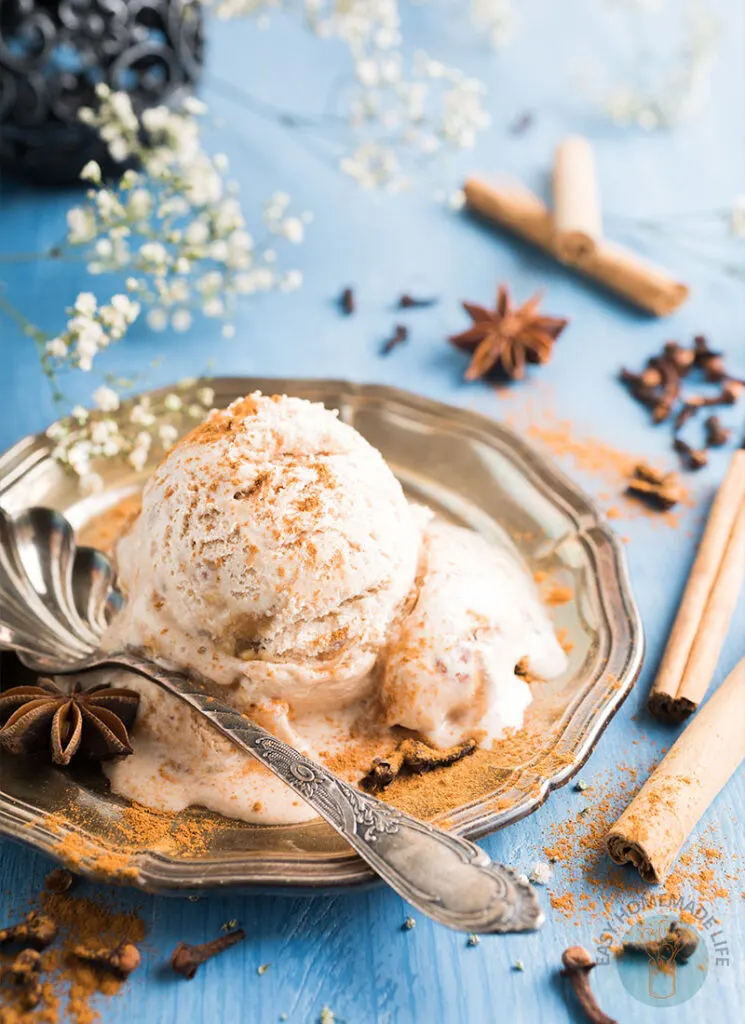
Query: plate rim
[(280, 873)]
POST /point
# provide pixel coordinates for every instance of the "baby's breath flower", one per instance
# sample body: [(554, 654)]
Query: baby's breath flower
[(91, 172), (737, 217), (106, 399), (174, 227)]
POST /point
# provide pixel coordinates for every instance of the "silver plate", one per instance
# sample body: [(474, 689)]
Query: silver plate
[(472, 470)]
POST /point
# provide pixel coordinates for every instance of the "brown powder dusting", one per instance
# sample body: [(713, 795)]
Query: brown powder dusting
[(576, 847), (591, 456), (183, 834), (105, 530), (68, 983)]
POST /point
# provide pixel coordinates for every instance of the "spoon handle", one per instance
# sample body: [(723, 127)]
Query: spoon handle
[(443, 875)]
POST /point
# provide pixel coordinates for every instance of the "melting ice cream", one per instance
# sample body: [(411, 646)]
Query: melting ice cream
[(277, 555)]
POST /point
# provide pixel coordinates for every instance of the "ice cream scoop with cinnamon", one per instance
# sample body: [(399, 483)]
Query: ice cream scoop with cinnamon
[(277, 555)]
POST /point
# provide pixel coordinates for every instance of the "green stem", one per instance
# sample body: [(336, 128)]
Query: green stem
[(30, 330), (55, 252)]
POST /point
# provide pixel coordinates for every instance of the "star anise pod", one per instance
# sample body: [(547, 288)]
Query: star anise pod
[(91, 722), (507, 338)]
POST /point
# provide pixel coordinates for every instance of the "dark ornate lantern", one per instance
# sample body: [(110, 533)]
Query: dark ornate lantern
[(54, 52)]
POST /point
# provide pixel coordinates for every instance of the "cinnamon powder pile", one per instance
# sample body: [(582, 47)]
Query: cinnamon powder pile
[(593, 457), (70, 985), (136, 829), (576, 848)]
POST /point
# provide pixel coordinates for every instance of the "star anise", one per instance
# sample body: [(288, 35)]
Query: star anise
[(507, 338), (91, 722)]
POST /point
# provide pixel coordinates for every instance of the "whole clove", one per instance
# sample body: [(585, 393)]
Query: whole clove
[(687, 412), (186, 958), (681, 358), (410, 302), (693, 458), (705, 357), (731, 392), (25, 973), (347, 302), (37, 930), (521, 123), (716, 434), (677, 946), (414, 758), (661, 489), (400, 335), (659, 386), (577, 966), (58, 881), (670, 389), (121, 960)]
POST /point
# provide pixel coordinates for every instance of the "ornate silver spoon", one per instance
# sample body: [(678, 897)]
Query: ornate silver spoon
[(55, 601)]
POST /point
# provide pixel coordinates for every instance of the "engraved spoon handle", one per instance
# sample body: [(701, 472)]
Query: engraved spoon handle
[(443, 875)]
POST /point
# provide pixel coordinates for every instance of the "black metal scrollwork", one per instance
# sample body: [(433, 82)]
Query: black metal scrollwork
[(52, 55)]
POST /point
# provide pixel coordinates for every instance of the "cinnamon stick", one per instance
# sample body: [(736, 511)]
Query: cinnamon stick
[(622, 271), (707, 605), (652, 830), (577, 219)]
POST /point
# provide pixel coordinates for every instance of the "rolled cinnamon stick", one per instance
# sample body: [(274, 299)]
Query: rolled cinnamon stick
[(577, 219), (653, 828), (622, 271), (707, 605)]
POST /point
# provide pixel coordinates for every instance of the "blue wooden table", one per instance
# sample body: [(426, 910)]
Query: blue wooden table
[(348, 952)]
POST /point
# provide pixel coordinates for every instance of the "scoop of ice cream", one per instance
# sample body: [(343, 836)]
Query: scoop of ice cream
[(274, 549), (450, 674)]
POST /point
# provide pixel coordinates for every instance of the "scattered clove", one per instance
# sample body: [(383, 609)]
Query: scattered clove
[(58, 881), (121, 960), (185, 958), (25, 973), (347, 302), (658, 387), (37, 930), (577, 966), (716, 434), (677, 946), (399, 335), (681, 358), (661, 489), (706, 359), (521, 123), (412, 757), (409, 302), (694, 458)]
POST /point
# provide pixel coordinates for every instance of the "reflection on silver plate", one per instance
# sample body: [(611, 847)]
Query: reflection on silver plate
[(470, 469)]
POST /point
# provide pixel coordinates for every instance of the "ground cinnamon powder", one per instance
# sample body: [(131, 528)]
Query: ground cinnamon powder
[(136, 829), (576, 848), (70, 984), (591, 456)]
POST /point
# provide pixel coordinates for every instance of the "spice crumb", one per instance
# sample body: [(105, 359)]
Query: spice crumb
[(518, 966), (408, 924), (473, 940), (263, 968), (540, 873)]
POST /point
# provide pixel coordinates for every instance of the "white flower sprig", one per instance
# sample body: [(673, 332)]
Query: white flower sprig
[(175, 225), (401, 111), (406, 115), (142, 429), (677, 92), (90, 329)]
